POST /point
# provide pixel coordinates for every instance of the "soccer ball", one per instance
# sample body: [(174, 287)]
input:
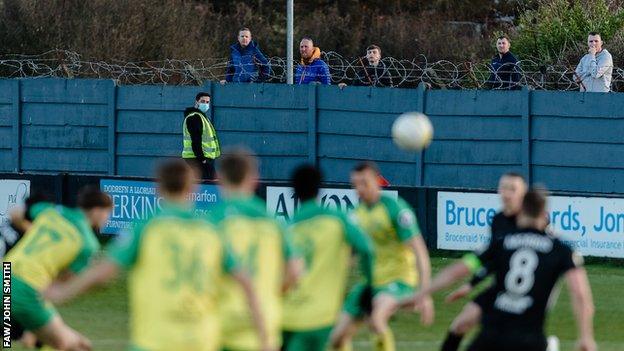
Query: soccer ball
[(412, 131)]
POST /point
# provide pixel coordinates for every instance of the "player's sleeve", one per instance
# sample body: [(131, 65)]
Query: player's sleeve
[(125, 249), (288, 247), (482, 260), (88, 249), (229, 264), (570, 259), (403, 218), (361, 244), (36, 209)]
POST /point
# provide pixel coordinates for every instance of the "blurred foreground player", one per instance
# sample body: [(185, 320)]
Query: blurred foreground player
[(402, 260), (326, 239), (177, 264), (19, 222), (59, 243), (264, 251), (526, 265), (511, 188)]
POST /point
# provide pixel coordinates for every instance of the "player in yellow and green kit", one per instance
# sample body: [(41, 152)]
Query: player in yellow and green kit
[(402, 261), (263, 249), (177, 264), (59, 243), (326, 239)]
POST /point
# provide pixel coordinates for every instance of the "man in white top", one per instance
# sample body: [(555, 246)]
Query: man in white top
[(594, 71)]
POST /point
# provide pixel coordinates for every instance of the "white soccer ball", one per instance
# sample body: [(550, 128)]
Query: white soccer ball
[(412, 131)]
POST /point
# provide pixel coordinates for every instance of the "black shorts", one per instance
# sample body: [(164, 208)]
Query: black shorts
[(490, 340)]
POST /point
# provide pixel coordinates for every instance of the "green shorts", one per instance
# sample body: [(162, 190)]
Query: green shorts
[(397, 289), (308, 340), (28, 307)]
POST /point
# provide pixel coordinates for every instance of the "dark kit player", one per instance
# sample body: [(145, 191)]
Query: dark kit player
[(511, 188), (526, 265)]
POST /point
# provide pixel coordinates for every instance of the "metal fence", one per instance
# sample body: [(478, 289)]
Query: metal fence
[(404, 73)]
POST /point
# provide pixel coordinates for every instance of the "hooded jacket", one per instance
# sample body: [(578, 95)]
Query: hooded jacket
[(313, 70), (247, 64), (369, 75), (595, 72), (195, 129)]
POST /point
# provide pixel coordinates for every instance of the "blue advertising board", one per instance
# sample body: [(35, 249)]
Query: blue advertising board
[(136, 200)]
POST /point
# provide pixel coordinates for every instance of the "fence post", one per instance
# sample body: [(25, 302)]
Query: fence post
[(312, 124), (112, 128), (16, 120), (421, 92), (526, 133)]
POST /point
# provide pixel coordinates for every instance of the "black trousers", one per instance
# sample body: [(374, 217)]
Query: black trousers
[(206, 167)]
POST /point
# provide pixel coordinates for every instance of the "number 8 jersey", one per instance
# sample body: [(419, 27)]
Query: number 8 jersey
[(526, 264)]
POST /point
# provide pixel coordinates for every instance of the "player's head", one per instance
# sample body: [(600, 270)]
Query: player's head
[(306, 181), (34, 198), (373, 54), (511, 188), (503, 44), (594, 40), (238, 171), (365, 180), (306, 48), (96, 205), (244, 36), (534, 212), (176, 180)]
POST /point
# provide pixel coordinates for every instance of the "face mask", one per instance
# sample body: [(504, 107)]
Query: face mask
[(204, 107)]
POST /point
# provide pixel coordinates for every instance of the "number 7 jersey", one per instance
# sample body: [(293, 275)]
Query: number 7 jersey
[(526, 264)]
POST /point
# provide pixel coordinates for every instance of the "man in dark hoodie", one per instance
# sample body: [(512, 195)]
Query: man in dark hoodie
[(372, 73), (247, 63), (505, 72), (200, 143)]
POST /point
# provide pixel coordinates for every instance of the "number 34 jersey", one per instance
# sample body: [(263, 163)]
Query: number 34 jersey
[(526, 264)]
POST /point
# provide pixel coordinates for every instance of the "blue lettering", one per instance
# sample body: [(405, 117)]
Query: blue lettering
[(481, 223), (450, 212)]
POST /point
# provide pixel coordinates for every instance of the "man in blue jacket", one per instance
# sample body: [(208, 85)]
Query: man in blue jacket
[(247, 63), (312, 68), (505, 72)]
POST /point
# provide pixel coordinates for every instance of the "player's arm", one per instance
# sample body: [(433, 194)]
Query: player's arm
[(246, 284), (294, 262), (96, 275), (583, 305)]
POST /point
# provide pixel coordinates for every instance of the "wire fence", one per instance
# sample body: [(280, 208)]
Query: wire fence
[(402, 72)]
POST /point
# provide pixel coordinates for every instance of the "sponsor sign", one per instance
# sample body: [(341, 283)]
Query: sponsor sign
[(13, 192), (281, 201), (136, 200), (593, 226)]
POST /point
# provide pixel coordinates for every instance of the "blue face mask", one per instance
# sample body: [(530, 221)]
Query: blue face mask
[(204, 107)]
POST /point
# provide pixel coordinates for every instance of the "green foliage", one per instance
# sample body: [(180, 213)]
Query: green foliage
[(556, 31)]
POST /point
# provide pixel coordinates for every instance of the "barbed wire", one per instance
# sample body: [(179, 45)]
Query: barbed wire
[(402, 72)]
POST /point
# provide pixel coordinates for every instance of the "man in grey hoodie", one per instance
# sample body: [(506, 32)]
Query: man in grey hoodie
[(594, 71)]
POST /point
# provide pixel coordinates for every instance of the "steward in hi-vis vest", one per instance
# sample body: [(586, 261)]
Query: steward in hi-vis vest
[(200, 143)]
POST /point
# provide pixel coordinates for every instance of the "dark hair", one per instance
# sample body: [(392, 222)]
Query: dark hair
[(504, 36), (306, 181), (366, 165), (91, 196), (594, 33), (236, 164), (244, 29), (514, 175), (201, 95), (373, 47), (175, 175), (534, 202), (34, 198)]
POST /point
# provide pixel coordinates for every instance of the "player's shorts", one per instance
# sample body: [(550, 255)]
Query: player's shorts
[(397, 289), (308, 340), (493, 340), (28, 307)]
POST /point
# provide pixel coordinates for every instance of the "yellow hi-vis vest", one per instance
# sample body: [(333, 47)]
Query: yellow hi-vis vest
[(210, 144)]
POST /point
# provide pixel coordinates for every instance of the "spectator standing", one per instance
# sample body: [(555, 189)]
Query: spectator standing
[(247, 63), (594, 71), (201, 146), (504, 67), (312, 68), (375, 73)]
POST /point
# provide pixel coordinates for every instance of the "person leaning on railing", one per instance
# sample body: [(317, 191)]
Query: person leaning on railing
[(372, 72), (247, 63), (312, 68), (593, 73), (200, 143), (504, 67)]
